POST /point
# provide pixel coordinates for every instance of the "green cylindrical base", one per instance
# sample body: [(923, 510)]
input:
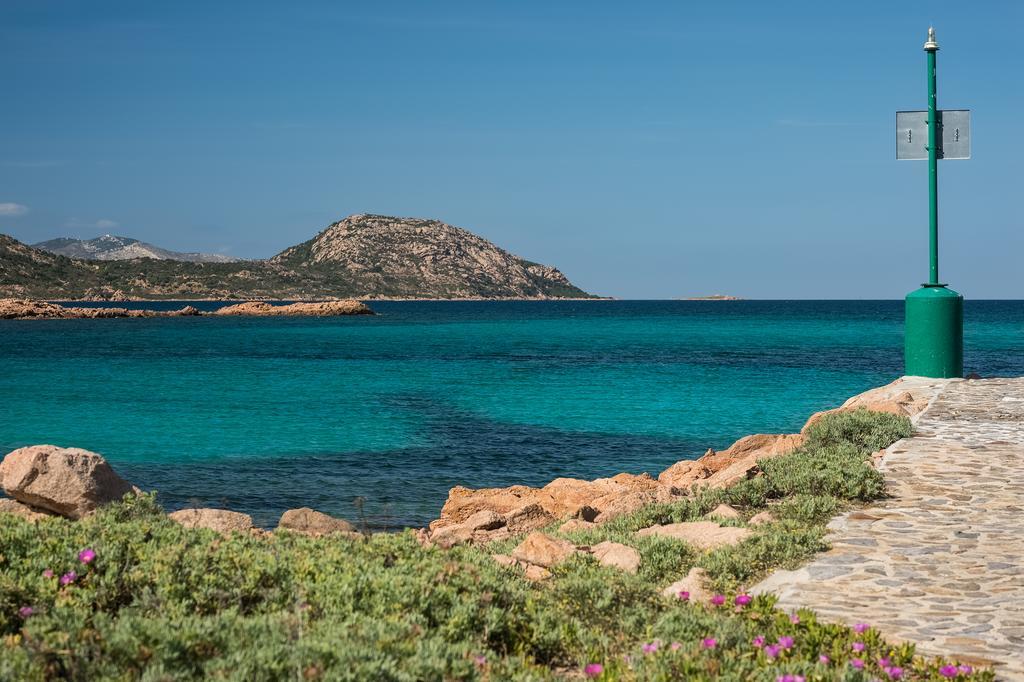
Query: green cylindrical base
[(933, 343)]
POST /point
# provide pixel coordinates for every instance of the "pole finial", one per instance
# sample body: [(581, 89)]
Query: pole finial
[(931, 45)]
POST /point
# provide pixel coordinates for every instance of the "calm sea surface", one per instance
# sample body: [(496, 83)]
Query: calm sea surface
[(264, 414)]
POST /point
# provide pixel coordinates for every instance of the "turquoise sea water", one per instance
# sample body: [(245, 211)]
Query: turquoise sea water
[(265, 414)]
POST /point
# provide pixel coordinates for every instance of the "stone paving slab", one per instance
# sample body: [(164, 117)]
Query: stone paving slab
[(940, 562)]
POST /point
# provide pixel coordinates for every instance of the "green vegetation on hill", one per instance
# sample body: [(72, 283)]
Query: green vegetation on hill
[(159, 602), (363, 256)]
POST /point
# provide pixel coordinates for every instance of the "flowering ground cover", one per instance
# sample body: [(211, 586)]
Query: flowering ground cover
[(127, 594)]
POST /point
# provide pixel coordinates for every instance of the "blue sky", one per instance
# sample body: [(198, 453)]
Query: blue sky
[(649, 150)]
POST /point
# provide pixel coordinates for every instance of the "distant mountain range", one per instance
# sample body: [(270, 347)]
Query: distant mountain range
[(363, 256), (110, 247)]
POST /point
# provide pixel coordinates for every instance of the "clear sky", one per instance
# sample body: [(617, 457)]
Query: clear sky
[(648, 149)]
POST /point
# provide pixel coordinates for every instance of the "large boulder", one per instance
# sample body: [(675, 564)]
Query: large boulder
[(703, 535), (617, 555), (220, 520), (543, 550), (311, 522), (68, 481)]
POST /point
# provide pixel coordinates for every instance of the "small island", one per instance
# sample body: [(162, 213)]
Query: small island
[(713, 297)]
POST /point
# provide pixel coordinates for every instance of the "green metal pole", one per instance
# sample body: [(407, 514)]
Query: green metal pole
[(931, 47), (934, 321)]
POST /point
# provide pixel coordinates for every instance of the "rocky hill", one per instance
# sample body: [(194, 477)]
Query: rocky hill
[(111, 247), (362, 256), (405, 256)]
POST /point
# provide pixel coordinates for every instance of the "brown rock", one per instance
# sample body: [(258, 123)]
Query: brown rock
[(761, 518), (723, 511), (484, 520), (576, 525), (220, 520), (725, 468), (701, 534), (324, 308), (24, 309), (311, 522), (536, 573), (68, 481), (543, 550), (907, 397), (448, 537), (692, 585), (23, 510), (504, 560), (617, 555), (585, 513), (527, 518), (559, 499)]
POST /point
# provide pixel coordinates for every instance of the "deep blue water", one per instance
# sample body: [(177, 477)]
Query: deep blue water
[(265, 414)]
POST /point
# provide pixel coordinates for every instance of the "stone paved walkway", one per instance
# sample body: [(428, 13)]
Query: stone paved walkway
[(941, 562)]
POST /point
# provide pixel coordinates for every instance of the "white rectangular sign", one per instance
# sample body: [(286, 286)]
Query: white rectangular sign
[(954, 137)]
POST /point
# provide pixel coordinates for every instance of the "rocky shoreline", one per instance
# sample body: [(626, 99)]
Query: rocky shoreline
[(25, 309), (45, 480), (492, 514)]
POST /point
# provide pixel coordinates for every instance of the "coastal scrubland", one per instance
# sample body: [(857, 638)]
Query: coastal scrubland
[(128, 594)]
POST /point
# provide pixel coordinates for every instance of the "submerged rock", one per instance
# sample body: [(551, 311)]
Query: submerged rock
[(220, 520), (70, 482)]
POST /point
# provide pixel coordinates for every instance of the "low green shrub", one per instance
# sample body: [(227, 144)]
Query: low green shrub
[(154, 601), (863, 429)]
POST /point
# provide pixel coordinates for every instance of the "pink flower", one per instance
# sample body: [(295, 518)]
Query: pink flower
[(772, 650), (593, 670), (26, 611), (86, 556), (650, 648), (675, 646), (480, 660), (742, 599), (948, 671), (965, 669), (759, 641), (786, 643), (684, 595), (708, 643), (68, 578), (794, 619), (48, 573), (858, 646), (824, 659), (718, 599), (857, 663), (789, 678), (894, 672), (860, 627), (884, 663)]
